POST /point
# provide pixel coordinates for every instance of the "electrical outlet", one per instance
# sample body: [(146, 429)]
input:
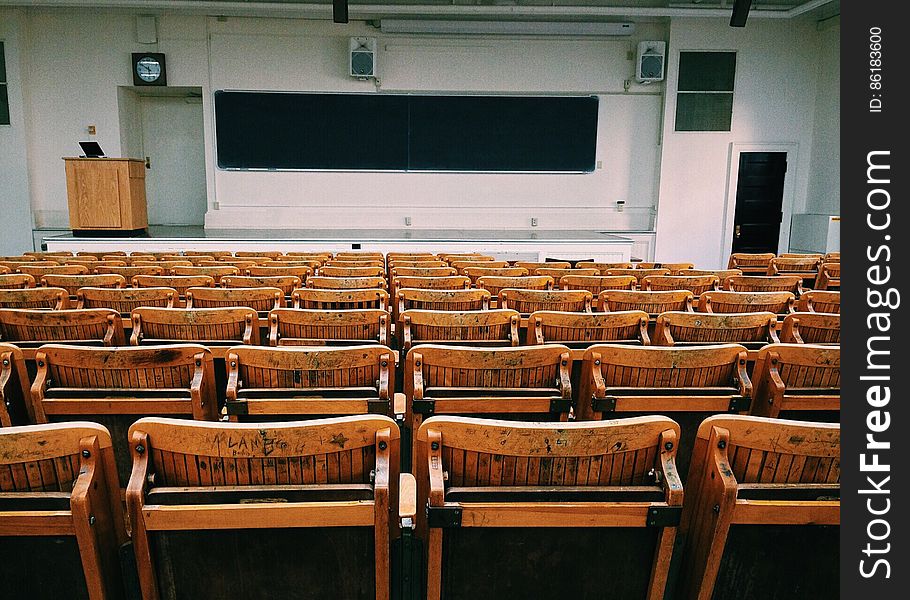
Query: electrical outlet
[(600, 164), (407, 221), (533, 221), (91, 130)]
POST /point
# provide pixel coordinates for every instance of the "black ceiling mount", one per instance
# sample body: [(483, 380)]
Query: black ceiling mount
[(340, 11), (740, 13)]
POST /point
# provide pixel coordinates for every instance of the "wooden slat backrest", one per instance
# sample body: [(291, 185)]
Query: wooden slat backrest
[(832, 257), (823, 301), (286, 283), (652, 303), (282, 270), (399, 271), (533, 266), (242, 265), (15, 405), (167, 265), (181, 283), (422, 263), (47, 253), (258, 253), (741, 302), (354, 263), (475, 273), (750, 263), (461, 265), (321, 257), (294, 326), (721, 274), (215, 273), (345, 283), (442, 299), (353, 271), (261, 299), (196, 324), (597, 283), (128, 272), (411, 256), (793, 265), (581, 328), (811, 328), (489, 456), (828, 276), (43, 297), (16, 281), (79, 260), (44, 466), (359, 254), (495, 284), (126, 299), (602, 266), (734, 455), (768, 283), (327, 299), (71, 283), (465, 256), (108, 261), (709, 328), (453, 282), (33, 327), (638, 274), (133, 258), (39, 272), (527, 301), (678, 266), (494, 327), (101, 254), (215, 253), (558, 274), (194, 258), (697, 284), (13, 263), (807, 372)]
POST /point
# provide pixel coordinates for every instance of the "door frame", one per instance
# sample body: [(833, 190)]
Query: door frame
[(736, 148)]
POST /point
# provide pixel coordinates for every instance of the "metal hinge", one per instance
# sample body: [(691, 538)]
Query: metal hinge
[(607, 404), (739, 403), (423, 407), (664, 516), (444, 516)]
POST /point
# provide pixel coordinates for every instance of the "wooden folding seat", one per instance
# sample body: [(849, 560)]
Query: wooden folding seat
[(358, 271), (309, 382), (127, 272), (512, 509), (345, 283), (800, 381), (115, 386), (750, 263), (40, 271), (272, 254), (652, 303), (687, 384), (447, 282), (832, 257), (528, 301), (456, 300), (828, 276), (71, 283), (678, 266), (309, 504), (88, 261), (524, 384), (61, 518), (752, 330), (207, 326), (286, 283), (167, 266), (580, 330), (697, 284), (399, 271), (102, 253), (721, 274), (638, 274), (823, 301), (303, 327), (768, 283), (325, 299), (811, 328), (215, 273), (483, 328), (43, 297), (29, 328), (181, 283), (125, 300), (779, 303), (461, 265), (15, 396), (597, 283), (805, 268), (241, 265), (558, 274), (533, 266), (762, 511), (801, 255), (475, 273), (262, 300), (282, 270), (16, 281), (495, 284)]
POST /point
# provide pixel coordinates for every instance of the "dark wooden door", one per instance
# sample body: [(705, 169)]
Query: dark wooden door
[(759, 201)]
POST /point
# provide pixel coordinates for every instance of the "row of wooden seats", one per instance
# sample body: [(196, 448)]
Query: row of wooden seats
[(494, 509), (822, 269)]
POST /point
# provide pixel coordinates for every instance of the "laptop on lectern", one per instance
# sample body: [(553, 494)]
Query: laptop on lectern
[(91, 150)]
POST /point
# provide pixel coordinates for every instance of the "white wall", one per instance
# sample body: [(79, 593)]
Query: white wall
[(823, 196), (774, 102), (16, 222)]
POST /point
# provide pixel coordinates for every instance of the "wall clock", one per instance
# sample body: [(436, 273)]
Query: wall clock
[(149, 68)]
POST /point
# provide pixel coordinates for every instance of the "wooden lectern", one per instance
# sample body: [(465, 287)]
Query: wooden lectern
[(106, 196)]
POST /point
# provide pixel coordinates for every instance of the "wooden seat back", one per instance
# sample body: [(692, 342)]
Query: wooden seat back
[(433, 282), (768, 283), (125, 300), (209, 326), (762, 510), (71, 283), (15, 396), (472, 328), (16, 281), (697, 284), (40, 271), (750, 263), (52, 298), (325, 299), (652, 303), (532, 266), (752, 330), (828, 276), (721, 274), (580, 330), (241, 265), (272, 254), (638, 274), (597, 283), (345, 283), (804, 266), (351, 271), (811, 328), (128, 272), (797, 381), (550, 497), (260, 299), (181, 283), (528, 301), (308, 382), (741, 302), (461, 265), (475, 273), (303, 327), (677, 266), (215, 273), (30, 328), (495, 284), (400, 271), (167, 265), (441, 299), (61, 507), (302, 271), (823, 301), (286, 283)]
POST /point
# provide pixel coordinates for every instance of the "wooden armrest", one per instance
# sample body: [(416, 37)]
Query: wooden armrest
[(399, 404), (407, 499)]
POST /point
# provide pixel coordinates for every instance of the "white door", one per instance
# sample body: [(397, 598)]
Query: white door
[(173, 140)]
